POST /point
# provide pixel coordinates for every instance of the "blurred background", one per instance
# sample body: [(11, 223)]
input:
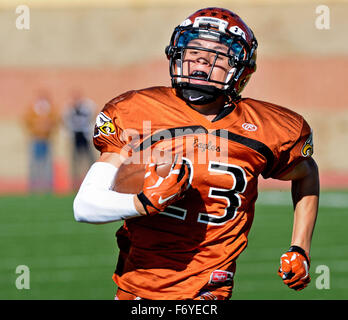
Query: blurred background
[(99, 49), (58, 71)]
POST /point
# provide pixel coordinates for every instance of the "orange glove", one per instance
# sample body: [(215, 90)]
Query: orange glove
[(294, 268), (158, 192)]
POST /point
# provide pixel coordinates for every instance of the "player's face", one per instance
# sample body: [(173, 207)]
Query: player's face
[(198, 63)]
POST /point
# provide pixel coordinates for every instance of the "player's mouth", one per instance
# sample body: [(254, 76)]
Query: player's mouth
[(198, 75)]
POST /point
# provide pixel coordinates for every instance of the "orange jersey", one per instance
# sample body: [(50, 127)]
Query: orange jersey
[(173, 255)]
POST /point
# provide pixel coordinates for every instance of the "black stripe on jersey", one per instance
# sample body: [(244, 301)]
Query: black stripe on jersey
[(251, 143), (169, 134)]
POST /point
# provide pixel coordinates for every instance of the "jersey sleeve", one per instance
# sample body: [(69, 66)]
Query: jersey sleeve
[(289, 155), (108, 131)]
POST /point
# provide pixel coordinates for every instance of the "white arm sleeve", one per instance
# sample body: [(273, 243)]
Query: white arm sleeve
[(97, 203)]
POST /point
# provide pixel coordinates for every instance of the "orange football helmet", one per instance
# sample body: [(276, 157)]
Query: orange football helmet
[(223, 26)]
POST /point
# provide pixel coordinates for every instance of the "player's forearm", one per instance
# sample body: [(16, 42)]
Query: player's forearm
[(103, 206), (97, 203), (305, 194), (304, 222)]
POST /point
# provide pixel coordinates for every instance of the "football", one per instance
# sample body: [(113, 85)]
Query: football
[(130, 176)]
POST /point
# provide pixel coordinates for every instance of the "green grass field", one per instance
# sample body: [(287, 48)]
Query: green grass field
[(70, 260)]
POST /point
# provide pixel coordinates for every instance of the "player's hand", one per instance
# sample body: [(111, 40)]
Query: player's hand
[(158, 192), (294, 268)]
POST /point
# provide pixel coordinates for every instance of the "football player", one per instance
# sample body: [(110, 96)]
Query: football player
[(184, 232)]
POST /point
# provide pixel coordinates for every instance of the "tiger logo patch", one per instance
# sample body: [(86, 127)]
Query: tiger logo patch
[(103, 125)]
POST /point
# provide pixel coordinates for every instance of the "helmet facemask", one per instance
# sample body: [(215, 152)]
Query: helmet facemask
[(236, 51)]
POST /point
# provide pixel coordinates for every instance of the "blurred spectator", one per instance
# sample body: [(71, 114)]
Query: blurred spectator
[(41, 121), (79, 120)]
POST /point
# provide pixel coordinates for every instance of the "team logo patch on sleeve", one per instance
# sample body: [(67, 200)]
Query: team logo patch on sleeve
[(307, 149), (103, 125)]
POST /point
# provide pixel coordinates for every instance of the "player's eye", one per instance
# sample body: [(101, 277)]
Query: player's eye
[(221, 58), (193, 52)]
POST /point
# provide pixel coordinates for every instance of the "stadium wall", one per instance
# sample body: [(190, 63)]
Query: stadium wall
[(104, 51)]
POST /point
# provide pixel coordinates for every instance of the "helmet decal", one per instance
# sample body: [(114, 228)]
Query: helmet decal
[(238, 31), (220, 24)]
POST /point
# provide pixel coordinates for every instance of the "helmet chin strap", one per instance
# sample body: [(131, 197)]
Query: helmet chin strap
[(198, 94)]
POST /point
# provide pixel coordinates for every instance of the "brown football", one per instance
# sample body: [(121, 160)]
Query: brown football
[(130, 176)]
